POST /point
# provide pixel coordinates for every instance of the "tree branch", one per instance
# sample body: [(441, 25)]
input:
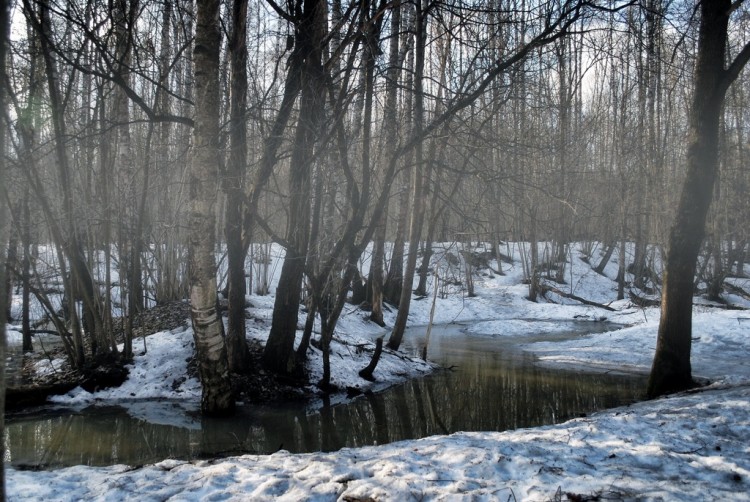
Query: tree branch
[(281, 12), (115, 77), (735, 68)]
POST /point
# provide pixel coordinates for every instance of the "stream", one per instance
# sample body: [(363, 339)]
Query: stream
[(492, 386)]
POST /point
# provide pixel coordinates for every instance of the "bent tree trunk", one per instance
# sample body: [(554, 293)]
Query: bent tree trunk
[(209, 344), (671, 370)]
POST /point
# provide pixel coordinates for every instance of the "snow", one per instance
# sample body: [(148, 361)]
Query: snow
[(719, 347), (157, 374), (689, 446)]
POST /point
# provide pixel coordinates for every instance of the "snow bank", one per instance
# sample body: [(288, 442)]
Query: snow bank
[(688, 447)]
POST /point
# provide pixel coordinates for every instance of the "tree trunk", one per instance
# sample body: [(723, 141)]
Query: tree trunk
[(237, 350), (376, 273), (610, 250), (135, 298), (390, 125), (715, 281), (277, 355), (533, 257), (366, 372), (395, 277), (4, 222), (10, 260), (740, 259), (26, 275), (424, 266), (210, 348), (436, 155), (560, 246), (304, 344), (125, 173), (418, 182), (671, 369)]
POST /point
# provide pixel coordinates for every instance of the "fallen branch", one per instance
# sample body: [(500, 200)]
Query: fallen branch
[(47, 332), (642, 302), (732, 288), (546, 288), (723, 306)]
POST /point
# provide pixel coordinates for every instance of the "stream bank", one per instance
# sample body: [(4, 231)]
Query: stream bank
[(491, 385)]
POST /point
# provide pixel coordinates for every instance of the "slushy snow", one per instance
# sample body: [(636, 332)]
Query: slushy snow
[(690, 446)]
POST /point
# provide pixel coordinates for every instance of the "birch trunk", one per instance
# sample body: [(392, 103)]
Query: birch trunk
[(207, 329)]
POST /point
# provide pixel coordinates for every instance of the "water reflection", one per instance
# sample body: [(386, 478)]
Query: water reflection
[(493, 386)]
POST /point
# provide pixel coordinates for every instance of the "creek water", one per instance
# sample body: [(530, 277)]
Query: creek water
[(492, 386)]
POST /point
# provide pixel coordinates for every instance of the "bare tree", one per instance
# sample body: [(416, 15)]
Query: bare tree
[(389, 124), (207, 325), (671, 369), (234, 181), (278, 352), (4, 223), (418, 181)]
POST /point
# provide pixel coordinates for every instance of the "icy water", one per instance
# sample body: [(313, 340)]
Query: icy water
[(492, 386)]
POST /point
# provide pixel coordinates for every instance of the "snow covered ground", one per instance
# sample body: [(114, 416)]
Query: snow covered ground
[(686, 447), (691, 447)]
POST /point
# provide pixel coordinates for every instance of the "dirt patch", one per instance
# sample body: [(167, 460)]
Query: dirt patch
[(169, 316), (258, 386)]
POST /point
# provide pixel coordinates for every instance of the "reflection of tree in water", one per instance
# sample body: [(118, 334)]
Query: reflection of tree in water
[(403, 412), (105, 437), (500, 395), (488, 391)]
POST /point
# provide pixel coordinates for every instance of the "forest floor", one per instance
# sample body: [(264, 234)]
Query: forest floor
[(694, 445), (45, 374)]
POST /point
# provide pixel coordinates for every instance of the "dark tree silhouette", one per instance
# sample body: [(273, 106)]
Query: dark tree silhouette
[(671, 370)]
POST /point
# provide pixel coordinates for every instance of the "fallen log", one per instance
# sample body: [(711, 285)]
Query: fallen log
[(546, 288), (736, 290), (34, 395), (641, 301)]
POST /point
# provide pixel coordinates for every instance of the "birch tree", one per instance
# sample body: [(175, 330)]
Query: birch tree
[(210, 348)]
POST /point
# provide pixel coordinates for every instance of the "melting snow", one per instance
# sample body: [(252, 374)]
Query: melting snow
[(692, 446)]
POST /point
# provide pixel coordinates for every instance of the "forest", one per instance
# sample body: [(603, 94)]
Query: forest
[(327, 127), (287, 167), (160, 152)]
